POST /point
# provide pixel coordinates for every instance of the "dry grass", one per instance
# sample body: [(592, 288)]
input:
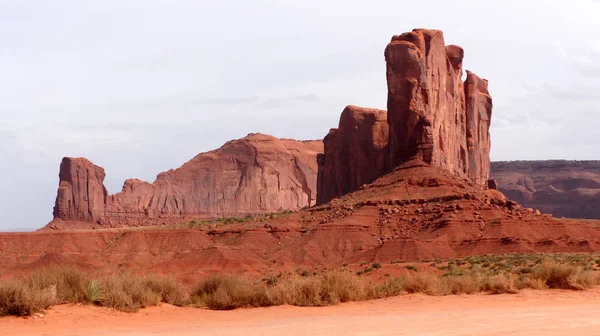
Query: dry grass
[(70, 283), (54, 285), (17, 298), (565, 276), (324, 289), (130, 292), (229, 292)]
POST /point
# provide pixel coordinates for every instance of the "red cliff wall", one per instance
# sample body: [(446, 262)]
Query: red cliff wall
[(253, 175), (432, 116), (355, 152)]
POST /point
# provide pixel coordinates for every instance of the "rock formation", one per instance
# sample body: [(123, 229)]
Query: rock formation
[(432, 116), (354, 153), (562, 188), (81, 193), (253, 175)]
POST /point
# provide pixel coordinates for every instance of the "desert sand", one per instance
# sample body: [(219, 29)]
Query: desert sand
[(531, 312)]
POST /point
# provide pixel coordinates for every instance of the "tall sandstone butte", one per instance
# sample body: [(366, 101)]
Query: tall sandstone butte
[(355, 152), (253, 175), (432, 116)]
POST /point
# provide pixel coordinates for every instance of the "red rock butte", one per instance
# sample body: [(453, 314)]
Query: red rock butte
[(254, 175), (432, 116), (410, 183)]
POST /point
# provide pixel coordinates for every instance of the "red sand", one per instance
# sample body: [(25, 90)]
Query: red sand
[(531, 312)]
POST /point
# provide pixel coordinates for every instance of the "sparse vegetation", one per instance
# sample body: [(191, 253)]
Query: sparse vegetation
[(234, 220), (489, 274)]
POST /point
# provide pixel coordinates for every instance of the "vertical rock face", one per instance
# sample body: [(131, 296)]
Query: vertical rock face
[(432, 115), (253, 175), (81, 193), (354, 153), (479, 117)]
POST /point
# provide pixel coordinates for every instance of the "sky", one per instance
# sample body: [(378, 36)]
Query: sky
[(142, 86)]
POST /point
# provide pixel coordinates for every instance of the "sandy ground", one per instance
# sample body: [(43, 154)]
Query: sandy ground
[(528, 313)]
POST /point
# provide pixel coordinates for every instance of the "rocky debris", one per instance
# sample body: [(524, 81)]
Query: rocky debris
[(254, 175), (563, 188), (354, 153), (432, 114)]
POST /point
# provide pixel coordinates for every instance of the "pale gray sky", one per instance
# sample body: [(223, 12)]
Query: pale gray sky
[(139, 87)]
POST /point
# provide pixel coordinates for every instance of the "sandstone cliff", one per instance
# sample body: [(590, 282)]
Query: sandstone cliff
[(432, 116), (355, 152), (562, 188), (253, 175)]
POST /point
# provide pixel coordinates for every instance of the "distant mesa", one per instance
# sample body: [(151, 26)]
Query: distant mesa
[(563, 188)]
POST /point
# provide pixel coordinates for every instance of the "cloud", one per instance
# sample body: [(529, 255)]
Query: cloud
[(226, 101), (573, 92), (274, 103)]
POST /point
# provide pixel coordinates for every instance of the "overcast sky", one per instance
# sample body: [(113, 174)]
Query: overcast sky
[(139, 87)]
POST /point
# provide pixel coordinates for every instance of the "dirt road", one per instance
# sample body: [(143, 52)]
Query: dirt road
[(528, 313)]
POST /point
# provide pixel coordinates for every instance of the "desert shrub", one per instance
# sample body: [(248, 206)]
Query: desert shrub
[(534, 283), (70, 283), (128, 293), (19, 299), (411, 268), (391, 287), (300, 292), (169, 290), (426, 283), (337, 286), (557, 275), (229, 292), (376, 265), (93, 292), (500, 284), (327, 288), (461, 284)]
